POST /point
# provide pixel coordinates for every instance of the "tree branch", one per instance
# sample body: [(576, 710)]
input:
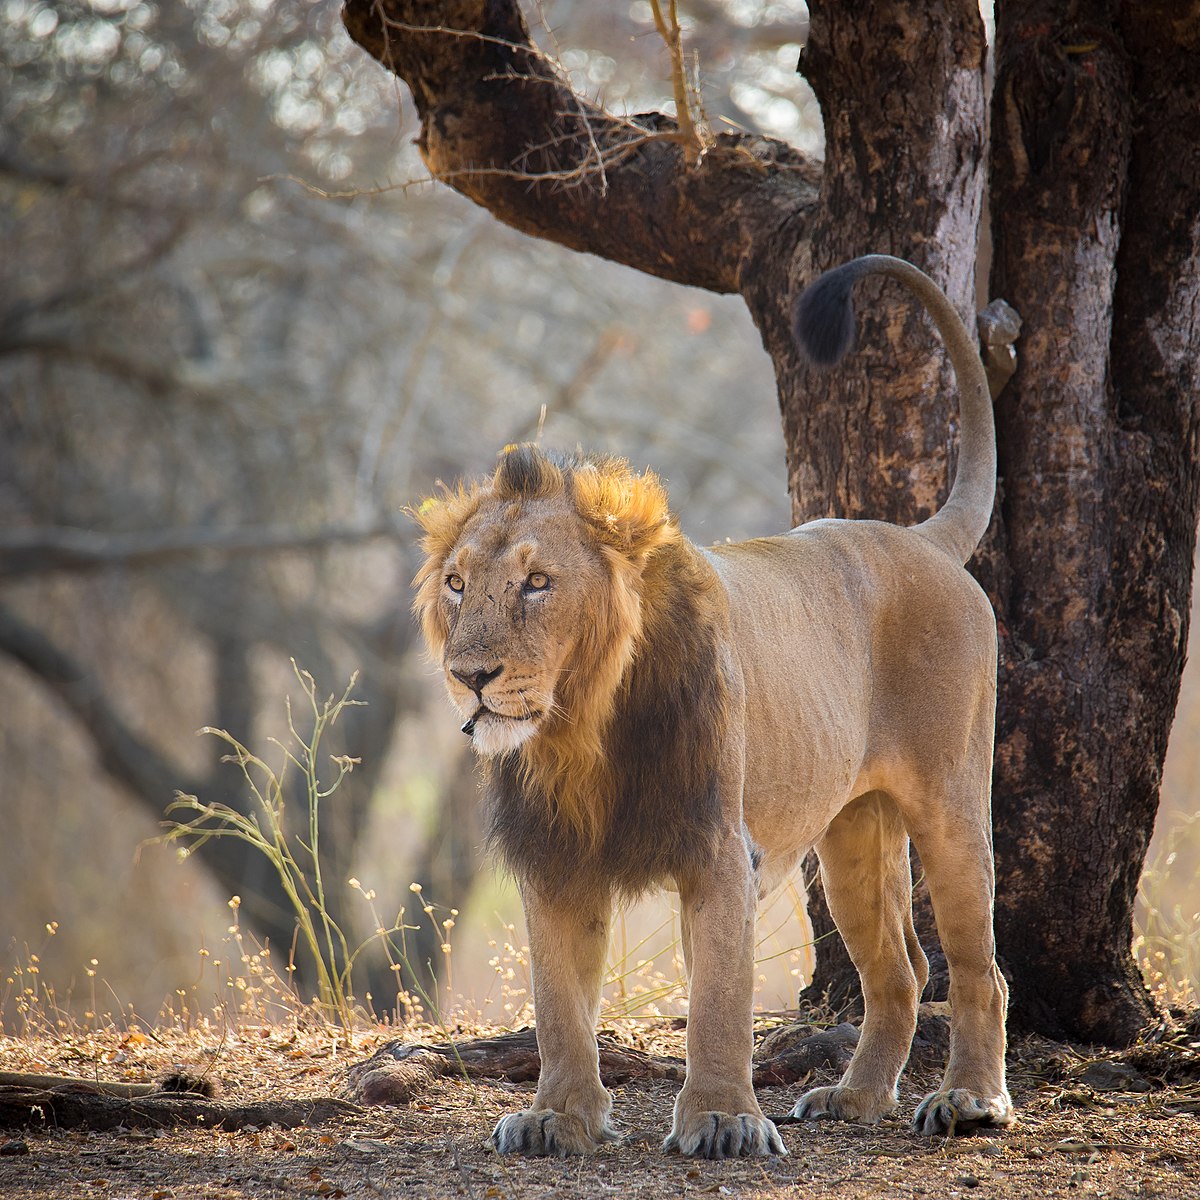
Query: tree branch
[(499, 125), (672, 36), (57, 548), (124, 756), (86, 1105), (151, 778)]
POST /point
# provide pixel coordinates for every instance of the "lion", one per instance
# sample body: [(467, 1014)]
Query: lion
[(652, 713)]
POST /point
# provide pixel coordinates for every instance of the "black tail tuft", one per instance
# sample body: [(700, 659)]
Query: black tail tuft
[(824, 318)]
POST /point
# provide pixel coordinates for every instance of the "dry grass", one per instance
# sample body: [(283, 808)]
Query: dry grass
[(1071, 1141), (261, 1043), (239, 1020), (236, 983), (238, 1023), (1167, 930)]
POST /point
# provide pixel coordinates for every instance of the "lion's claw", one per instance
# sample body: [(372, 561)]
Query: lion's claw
[(960, 1111), (843, 1104), (722, 1135), (546, 1133)]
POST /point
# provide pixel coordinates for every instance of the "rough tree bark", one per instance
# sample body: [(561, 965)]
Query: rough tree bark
[(1096, 195), (1089, 560), (905, 135)]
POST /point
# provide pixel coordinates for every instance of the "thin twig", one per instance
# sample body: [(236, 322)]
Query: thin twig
[(462, 1170), (672, 36)]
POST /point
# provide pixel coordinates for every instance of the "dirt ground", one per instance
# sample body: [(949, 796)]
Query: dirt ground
[(1084, 1130)]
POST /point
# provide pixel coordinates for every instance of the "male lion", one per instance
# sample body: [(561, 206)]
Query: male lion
[(655, 713)]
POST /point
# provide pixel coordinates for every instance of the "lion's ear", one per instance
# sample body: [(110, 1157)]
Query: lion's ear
[(628, 512)]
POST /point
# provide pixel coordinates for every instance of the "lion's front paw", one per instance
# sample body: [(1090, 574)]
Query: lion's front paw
[(544, 1133), (844, 1104), (960, 1111), (722, 1135)]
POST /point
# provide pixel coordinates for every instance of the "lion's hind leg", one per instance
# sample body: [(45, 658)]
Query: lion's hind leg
[(868, 884), (953, 839), (570, 1115)]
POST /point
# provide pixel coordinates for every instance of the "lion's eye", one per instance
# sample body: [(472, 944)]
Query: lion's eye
[(538, 581), (455, 583)]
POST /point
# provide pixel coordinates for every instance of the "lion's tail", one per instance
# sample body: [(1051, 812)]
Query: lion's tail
[(824, 325)]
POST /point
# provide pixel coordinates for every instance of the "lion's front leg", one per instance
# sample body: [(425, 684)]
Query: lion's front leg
[(716, 1113), (568, 940)]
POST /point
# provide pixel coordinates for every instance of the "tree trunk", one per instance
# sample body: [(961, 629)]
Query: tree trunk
[(1089, 558), (847, 456), (152, 778), (1095, 245)]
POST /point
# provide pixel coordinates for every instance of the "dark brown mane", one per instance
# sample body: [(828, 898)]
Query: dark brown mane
[(661, 752)]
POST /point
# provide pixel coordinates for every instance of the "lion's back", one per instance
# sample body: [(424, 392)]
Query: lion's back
[(848, 634)]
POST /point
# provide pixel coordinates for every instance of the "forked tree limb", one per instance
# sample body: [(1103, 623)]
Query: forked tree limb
[(125, 755), (500, 125), (151, 777)]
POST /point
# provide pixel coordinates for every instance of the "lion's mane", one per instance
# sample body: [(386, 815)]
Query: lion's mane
[(621, 781)]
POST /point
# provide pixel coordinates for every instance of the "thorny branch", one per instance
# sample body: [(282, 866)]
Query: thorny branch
[(672, 36)]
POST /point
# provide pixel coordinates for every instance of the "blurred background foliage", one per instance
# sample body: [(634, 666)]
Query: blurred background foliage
[(239, 332)]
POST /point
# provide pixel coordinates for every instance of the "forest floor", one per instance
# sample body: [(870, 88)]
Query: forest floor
[(1089, 1125)]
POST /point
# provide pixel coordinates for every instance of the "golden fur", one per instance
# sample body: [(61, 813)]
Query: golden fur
[(624, 517), (653, 713)]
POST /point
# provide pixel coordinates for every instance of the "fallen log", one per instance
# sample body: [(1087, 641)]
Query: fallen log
[(398, 1071), (173, 1083), (62, 1102)]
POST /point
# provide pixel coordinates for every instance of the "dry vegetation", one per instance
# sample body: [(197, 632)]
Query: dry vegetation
[(1086, 1128), (1114, 1125), (1090, 1124), (599, 346)]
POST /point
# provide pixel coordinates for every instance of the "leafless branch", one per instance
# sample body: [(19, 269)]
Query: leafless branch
[(42, 550), (672, 36), (501, 125), (124, 755), (154, 250)]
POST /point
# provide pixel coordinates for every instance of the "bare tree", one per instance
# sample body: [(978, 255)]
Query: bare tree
[(221, 379), (177, 406)]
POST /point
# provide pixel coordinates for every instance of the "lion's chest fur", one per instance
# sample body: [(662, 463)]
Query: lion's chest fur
[(660, 780)]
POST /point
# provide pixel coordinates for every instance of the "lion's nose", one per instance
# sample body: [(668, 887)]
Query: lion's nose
[(477, 680)]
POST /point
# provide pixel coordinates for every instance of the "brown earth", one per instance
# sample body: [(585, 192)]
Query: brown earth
[(1088, 1126)]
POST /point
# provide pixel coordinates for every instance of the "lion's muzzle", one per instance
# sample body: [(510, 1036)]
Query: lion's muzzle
[(477, 680), (493, 732)]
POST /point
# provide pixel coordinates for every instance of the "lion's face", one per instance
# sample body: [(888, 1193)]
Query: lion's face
[(529, 597), (513, 600)]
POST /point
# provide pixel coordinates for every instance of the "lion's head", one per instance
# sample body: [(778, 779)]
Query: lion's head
[(530, 598)]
